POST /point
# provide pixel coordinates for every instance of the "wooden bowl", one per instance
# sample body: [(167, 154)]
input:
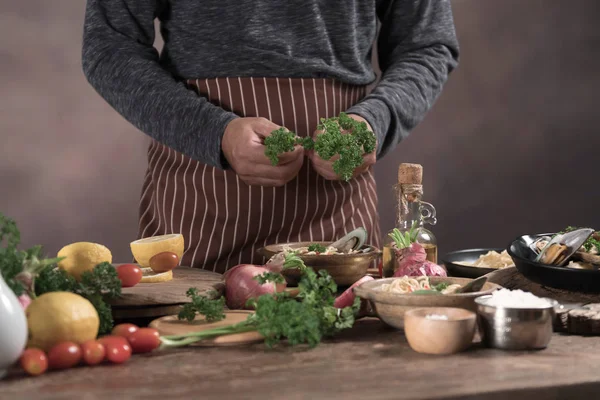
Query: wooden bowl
[(438, 336), (345, 269), (390, 307)]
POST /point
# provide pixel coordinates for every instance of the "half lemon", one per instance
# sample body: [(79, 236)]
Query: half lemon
[(144, 249)]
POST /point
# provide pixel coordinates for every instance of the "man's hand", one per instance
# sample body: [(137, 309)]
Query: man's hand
[(243, 147), (325, 167)]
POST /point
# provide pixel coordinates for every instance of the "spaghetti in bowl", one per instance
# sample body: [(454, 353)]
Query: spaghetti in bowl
[(390, 298)]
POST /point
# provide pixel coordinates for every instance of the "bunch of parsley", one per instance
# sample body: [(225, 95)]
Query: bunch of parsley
[(305, 319), (349, 147), (27, 272)]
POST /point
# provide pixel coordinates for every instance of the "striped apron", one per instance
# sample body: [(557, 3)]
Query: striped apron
[(224, 221)]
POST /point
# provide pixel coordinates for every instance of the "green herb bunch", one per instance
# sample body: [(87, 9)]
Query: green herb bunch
[(305, 319), (341, 136), (20, 267), (404, 240)]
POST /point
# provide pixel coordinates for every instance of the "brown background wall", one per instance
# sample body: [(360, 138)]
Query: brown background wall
[(510, 147)]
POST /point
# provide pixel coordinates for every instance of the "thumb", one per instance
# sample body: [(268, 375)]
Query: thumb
[(264, 127)]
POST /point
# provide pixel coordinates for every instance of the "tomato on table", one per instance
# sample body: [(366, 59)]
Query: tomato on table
[(124, 330), (144, 340), (34, 361), (118, 349), (129, 274), (93, 352), (64, 355)]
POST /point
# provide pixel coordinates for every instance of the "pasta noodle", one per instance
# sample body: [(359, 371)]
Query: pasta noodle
[(410, 284), (491, 259)]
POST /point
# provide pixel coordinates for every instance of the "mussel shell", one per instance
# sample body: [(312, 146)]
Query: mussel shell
[(572, 240), (352, 241)]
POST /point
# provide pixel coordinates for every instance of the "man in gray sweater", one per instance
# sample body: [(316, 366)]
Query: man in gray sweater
[(233, 71)]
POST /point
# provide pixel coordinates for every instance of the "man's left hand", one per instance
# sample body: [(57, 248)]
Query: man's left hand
[(325, 167)]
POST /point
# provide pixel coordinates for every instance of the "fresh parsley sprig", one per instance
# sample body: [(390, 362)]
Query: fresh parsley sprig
[(212, 309), (341, 136)]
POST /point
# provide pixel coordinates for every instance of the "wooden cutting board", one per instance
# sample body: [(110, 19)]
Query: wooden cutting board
[(170, 325), (171, 292)]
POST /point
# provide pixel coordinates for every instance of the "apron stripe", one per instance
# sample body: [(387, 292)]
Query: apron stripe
[(224, 220)]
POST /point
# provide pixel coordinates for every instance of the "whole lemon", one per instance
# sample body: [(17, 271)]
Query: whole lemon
[(58, 317), (82, 256)]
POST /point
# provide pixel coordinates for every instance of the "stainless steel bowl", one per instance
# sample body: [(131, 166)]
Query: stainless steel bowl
[(515, 328)]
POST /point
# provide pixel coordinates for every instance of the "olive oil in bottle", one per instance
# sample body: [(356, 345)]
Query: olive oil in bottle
[(411, 212)]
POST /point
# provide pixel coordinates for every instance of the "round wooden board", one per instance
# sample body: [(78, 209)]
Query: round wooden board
[(170, 292), (170, 325)]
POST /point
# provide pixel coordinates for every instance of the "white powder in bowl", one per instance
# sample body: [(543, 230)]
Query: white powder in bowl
[(437, 317), (516, 299)]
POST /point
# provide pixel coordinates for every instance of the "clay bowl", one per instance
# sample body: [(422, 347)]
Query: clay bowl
[(391, 307), (439, 336), (345, 269)]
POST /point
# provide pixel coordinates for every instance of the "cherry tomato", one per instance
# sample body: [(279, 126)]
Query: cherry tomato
[(129, 274), (144, 340), (163, 262), (64, 355), (34, 361), (124, 330), (117, 348), (93, 352)]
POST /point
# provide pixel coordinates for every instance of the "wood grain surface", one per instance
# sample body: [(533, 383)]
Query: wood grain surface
[(171, 292), (369, 361)]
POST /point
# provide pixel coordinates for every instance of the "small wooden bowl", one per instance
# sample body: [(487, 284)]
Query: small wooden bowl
[(440, 336)]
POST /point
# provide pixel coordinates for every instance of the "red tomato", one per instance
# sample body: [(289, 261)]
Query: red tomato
[(129, 274), (64, 355), (34, 361), (117, 348), (124, 330), (144, 340), (93, 352)]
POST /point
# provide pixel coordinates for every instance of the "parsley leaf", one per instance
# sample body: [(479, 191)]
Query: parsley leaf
[(211, 309), (318, 248)]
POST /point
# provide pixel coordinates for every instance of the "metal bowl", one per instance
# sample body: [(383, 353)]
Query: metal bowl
[(345, 269), (390, 307), (515, 328)]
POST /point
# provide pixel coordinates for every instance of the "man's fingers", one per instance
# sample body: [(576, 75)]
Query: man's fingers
[(291, 156), (264, 127)]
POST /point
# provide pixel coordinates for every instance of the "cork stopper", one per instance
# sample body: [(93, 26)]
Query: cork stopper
[(411, 174)]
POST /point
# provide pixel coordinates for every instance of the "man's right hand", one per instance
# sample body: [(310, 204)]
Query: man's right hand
[(243, 147)]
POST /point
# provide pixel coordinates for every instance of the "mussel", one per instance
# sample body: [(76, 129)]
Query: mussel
[(558, 250), (351, 241)]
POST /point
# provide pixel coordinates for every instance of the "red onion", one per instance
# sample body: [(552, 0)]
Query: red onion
[(412, 261), (240, 285), (346, 299), (24, 300)]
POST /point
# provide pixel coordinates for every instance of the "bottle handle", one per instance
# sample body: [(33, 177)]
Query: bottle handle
[(428, 213)]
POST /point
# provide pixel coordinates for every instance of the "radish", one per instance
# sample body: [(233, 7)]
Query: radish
[(346, 299)]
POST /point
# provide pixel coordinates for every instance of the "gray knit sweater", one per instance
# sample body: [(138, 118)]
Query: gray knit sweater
[(417, 49)]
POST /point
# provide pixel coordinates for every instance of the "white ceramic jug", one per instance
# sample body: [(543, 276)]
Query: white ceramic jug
[(13, 328)]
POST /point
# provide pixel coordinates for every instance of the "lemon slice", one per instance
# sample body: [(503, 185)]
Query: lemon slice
[(144, 249), (150, 276)]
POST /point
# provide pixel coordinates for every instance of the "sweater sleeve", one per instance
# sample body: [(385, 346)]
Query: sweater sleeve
[(121, 63), (417, 49)]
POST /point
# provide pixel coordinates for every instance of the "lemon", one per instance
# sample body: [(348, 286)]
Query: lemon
[(150, 276), (83, 256), (144, 249), (60, 316)]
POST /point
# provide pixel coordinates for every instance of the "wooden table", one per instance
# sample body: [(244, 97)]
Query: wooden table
[(371, 361)]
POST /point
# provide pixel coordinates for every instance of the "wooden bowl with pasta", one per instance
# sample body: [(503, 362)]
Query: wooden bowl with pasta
[(390, 298)]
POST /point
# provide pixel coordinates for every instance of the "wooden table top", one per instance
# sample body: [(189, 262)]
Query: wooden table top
[(371, 361)]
